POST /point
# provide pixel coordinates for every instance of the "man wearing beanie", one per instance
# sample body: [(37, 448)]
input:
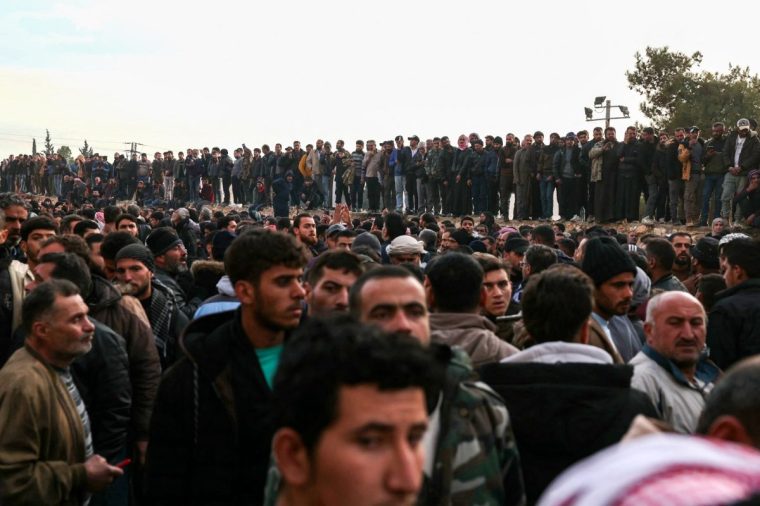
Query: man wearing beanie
[(613, 272), (170, 258), (135, 273)]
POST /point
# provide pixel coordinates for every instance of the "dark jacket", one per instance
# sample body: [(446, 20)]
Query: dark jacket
[(733, 331), (189, 238), (562, 413), (749, 159), (211, 429)]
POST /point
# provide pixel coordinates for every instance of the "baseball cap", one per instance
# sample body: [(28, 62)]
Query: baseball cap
[(743, 124)]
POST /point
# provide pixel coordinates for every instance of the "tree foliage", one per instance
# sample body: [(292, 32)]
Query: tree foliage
[(65, 153), (677, 93), (49, 147), (86, 150)]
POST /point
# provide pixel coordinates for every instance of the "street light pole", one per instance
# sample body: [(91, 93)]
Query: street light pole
[(601, 104)]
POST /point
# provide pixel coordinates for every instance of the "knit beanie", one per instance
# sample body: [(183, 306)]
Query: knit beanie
[(604, 258), (162, 240), (137, 252)]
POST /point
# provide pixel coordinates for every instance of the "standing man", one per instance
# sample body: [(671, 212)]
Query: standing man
[(523, 179), (435, 177), (605, 178), (371, 167), (506, 156), (343, 162), (567, 175), (628, 189), (741, 155), (46, 443), (715, 171), (692, 189), (357, 185), (210, 433)]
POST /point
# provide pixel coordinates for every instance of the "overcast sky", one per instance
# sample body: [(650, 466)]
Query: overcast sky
[(184, 74)]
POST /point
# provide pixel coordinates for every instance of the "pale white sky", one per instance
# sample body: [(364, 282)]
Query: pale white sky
[(196, 73)]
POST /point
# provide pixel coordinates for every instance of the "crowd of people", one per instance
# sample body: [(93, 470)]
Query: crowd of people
[(164, 350), (683, 177)]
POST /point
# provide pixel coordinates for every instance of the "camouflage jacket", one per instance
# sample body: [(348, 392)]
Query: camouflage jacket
[(434, 164), (476, 459)]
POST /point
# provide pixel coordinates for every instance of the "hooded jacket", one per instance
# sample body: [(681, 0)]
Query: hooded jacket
[(567, 401), (732, 327), (211, 429)]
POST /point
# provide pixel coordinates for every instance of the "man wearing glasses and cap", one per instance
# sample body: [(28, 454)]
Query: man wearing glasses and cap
[(741, 155)]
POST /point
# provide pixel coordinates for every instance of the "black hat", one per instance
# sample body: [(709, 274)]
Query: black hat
[(137, 252), (478, 246), (537, 133), (399, 138), (693, 129), (413, 138), (706, 251), (498, 140), (517, 244), (162, 240), (604, 258)]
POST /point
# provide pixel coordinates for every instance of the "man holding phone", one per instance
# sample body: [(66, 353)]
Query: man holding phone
[(46, 451)]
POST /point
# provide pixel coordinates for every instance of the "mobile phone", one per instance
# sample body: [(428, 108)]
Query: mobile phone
[(124, 463)]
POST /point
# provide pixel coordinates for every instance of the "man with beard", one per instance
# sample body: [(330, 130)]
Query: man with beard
[(329, 280), (655, 178), (613, 273), (715, 172), (170, 259), (16, 213), (671, 368), (682, 243), (305, 231), (605, 155), (210, 432), (134, 272), (628, 189)]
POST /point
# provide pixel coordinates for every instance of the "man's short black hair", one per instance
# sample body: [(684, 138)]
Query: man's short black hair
[(114, 241), (325, 355), (83, 226), (381, 272), (339, 260), (662, 251), (125, 216), (737, 394), (540, 258), (456, 280), (744, 253), (41, 301), (395, 225), (299, 217), (37, 223), (110, 213), (224, 221), (709, 286), (72, 267), (547, 311), (490, 263), (543, 234), (258, 250)]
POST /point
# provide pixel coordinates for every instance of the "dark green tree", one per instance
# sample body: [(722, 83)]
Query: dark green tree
[(65, 153), (677, 93), (49, 147), (86, 150)]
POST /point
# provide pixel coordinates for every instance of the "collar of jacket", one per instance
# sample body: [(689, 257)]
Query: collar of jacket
[(706, 371), (749, 284)]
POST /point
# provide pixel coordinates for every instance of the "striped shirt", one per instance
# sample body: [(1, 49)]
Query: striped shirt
[(68, 381)]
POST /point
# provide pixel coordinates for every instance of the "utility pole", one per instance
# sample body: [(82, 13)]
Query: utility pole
[(133, 148), (601, 104)]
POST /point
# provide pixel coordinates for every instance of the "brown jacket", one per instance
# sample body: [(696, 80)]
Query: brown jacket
[(126, 316), (42, 438), (473, 333)]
